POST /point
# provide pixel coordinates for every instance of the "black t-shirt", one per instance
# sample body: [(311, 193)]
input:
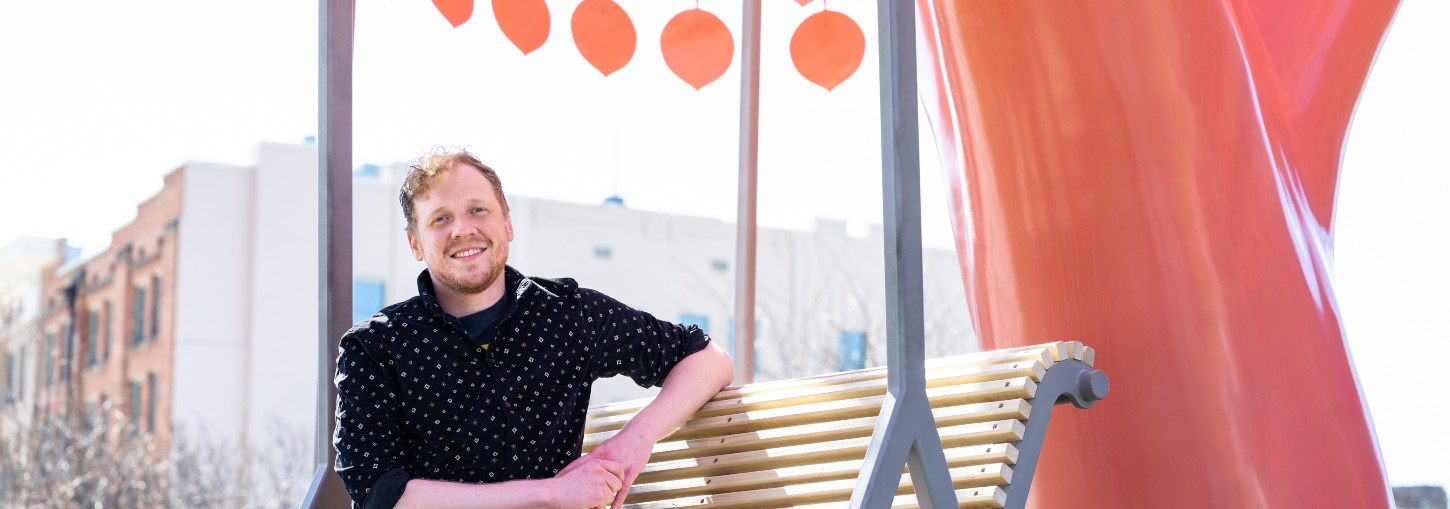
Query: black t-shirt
[(482, 325)]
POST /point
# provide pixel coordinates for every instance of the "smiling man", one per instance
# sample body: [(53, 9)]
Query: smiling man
[(473, 393)]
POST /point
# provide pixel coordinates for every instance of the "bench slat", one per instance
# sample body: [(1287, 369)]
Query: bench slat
[(1046, 353), (939, 397), (780, 477), (826, 491), (825, 431), (982, 379), (989, 433)]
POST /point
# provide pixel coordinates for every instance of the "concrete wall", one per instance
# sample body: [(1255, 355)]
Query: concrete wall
[(214, 300), (283, 316)]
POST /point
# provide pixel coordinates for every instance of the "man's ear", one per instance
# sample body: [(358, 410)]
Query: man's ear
[(508, 225), (413, 244)]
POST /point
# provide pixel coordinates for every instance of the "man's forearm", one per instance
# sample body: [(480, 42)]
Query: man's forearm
[(689, 385), (426, 494)]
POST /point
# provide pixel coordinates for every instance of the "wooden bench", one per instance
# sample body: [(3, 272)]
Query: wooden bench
[(802, 442)]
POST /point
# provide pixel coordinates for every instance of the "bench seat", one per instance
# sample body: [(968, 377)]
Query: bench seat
[(802, 442)]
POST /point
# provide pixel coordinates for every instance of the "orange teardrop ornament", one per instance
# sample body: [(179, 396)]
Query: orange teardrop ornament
[(456, 11), (827, 48), (524, 22), (697, 47), (604, 34), (804, 2)]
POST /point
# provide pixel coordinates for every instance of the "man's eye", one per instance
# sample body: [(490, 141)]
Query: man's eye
[(478, 210), (440, 219)]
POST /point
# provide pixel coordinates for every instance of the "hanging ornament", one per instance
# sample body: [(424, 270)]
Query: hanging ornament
[(604, 34), (456, 11), (524, 22), (827, 48), (697, 47), (804, 2)]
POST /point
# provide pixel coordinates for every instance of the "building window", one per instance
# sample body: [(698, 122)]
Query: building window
[(603, 252), (20, 380), (93, 338), (367, 298), (106, 339), (151, 402), (853, 351), (69, 350), (701, 321), (49, 358), (155, 306), (135, 408), (9, 378), (140, 304)]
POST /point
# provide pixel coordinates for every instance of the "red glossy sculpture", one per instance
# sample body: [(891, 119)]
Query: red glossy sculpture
[(1157, 179)]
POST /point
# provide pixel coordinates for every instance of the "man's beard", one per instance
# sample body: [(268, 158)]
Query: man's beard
[(457, 283), (476, 286)]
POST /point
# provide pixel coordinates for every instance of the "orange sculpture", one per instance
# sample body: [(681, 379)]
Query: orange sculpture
[(1157, 179)]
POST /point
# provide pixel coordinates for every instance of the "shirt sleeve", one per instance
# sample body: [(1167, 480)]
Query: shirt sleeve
[(387, 489), (632, 342), (368, 437)]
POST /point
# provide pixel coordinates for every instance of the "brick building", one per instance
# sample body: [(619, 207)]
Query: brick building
[(199, 318), (108, 327)]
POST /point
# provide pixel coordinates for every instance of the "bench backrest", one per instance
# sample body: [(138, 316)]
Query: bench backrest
[(802, 441)]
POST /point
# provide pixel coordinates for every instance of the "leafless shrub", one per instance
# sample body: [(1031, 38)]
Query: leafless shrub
[(51, 463)]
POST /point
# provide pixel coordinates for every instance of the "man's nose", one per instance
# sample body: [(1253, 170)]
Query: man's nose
[(465, 227)]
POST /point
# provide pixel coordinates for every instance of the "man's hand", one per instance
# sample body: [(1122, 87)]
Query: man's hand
[(590, 481), (630, 453)]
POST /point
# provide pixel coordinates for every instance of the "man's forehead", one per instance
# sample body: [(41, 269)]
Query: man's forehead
[(467, 195)]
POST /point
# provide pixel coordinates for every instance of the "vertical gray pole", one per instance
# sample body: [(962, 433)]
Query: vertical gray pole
[(334, 250), (745, 205), (901, 188), (905, 432)]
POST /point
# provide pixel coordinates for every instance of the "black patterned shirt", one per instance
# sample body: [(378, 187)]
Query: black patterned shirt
[(418, 398)]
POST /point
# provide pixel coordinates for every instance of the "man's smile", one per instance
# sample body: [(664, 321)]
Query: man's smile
[(468, 253)]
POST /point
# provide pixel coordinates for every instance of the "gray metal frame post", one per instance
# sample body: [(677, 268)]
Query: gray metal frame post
[(334, 250), (1068, 381), (745, 202), (905, 433)]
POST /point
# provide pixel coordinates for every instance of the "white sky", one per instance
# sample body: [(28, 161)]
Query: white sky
[(99, 99)]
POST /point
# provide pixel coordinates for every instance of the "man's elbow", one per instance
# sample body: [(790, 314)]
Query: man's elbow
[(720, 363)]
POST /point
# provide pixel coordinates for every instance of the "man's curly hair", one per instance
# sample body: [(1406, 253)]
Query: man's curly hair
[(423, 171)]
